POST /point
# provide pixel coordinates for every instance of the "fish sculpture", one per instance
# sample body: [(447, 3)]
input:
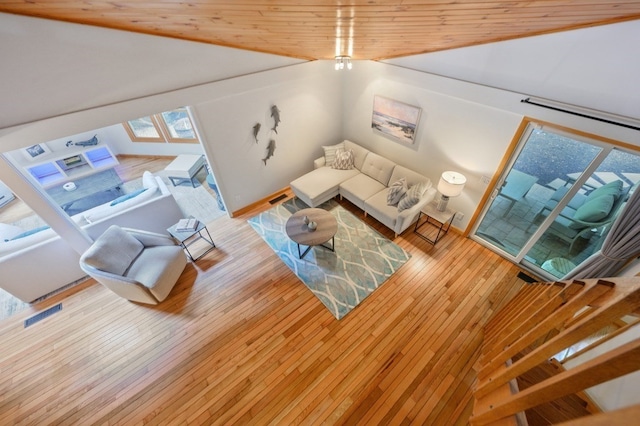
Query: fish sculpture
[(89, 142), (256, 129), (270, 149), (275, 113)]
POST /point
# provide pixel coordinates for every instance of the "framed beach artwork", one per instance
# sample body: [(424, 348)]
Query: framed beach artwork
[(396, 120), (35, 151)]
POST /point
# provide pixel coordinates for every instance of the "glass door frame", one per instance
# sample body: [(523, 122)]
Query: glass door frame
[(522, 135)]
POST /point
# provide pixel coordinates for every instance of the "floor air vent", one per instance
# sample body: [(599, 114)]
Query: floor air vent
[(526, 278), (42, 315), (278, 198)]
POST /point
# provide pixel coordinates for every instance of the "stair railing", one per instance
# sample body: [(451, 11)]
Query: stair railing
[(540, 322)]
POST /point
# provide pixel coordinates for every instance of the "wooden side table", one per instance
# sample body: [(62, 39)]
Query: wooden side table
[(435, 218)]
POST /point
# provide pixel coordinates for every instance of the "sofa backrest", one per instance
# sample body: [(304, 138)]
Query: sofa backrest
[(410, 176), (359, 153), (378, 168)]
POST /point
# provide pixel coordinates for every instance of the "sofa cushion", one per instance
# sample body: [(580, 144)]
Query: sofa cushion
[(612, 188), (320, 185), (359, 188), (412, 196), (359, 153), (344, 160), (376, 206), (114, 251), (594, 210), (396, 191), (410, 176), (378, 167), (330, 153)]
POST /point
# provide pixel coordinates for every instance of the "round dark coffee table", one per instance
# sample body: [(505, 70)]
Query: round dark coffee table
[(300, 233)]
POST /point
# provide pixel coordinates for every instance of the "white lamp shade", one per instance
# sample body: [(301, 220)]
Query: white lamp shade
[(451, 184)]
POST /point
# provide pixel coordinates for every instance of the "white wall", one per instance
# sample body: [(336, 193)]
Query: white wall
[(225, 112), (620, 392), (464, 127), (592, 67), (51, 68), (310, 110)]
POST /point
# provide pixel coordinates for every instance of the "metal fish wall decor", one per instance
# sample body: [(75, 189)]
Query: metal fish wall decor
[(256, 129), (270, 150), (275, 113)]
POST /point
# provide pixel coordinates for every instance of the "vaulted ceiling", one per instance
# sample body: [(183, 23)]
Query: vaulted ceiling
[(322, 29)]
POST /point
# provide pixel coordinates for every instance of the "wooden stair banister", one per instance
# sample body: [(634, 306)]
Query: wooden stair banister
[(546, 322), (568, 316), (616, 363), (518, 313), (529, 324)]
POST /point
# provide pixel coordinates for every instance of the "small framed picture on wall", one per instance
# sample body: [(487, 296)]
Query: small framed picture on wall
[(34, 151), (395, 120)]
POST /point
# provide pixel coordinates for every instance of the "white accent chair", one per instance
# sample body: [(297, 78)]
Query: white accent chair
[(137, 265)]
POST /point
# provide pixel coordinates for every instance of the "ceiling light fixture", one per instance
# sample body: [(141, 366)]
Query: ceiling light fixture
[(342, 61)]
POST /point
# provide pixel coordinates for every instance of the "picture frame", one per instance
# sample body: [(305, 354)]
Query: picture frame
[(34, 151), (395, 120)]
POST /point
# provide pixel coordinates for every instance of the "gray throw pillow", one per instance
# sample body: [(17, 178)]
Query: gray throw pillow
[(397, 190), (412, 197)]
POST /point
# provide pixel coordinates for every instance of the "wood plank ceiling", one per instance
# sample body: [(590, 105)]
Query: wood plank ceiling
[(323, 29)]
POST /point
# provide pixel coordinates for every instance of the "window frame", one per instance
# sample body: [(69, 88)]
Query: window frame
[(162, 128)]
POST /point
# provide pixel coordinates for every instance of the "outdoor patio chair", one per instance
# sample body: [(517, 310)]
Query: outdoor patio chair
[(515, 187), (585, 215)]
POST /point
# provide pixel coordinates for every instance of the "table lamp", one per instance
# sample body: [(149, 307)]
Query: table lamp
[(450, 185)]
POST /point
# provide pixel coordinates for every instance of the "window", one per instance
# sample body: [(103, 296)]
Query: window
[(170, 126)]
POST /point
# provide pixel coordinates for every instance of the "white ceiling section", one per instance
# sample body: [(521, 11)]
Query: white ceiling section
[(79, 70), (596, 68)]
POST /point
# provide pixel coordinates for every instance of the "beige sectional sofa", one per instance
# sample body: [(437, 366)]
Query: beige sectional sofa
[(366, 184)]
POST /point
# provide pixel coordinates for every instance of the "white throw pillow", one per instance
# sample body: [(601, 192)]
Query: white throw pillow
[(344, 160), (330, 153), (148, 179), (397, 190), (412, 196)]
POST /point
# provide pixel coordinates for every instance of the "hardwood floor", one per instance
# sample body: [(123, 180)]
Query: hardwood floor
[(241, 340)]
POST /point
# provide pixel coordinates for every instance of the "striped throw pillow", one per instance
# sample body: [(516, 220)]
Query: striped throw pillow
[(330, 153), (412, 196), (396, 191)]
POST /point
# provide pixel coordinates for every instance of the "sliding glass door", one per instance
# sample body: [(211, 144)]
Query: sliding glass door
[(556, 199)]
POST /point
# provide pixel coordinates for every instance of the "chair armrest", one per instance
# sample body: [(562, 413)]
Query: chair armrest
[(150, 239), (318, 162)]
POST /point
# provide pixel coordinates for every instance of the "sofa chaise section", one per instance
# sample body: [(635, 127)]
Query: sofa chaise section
[(366, 185), (320, 185)]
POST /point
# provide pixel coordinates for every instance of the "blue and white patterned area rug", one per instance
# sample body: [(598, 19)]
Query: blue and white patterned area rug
[(362, 261)]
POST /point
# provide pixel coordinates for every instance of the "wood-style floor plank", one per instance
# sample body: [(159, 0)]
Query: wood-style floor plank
[(241, 340)]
